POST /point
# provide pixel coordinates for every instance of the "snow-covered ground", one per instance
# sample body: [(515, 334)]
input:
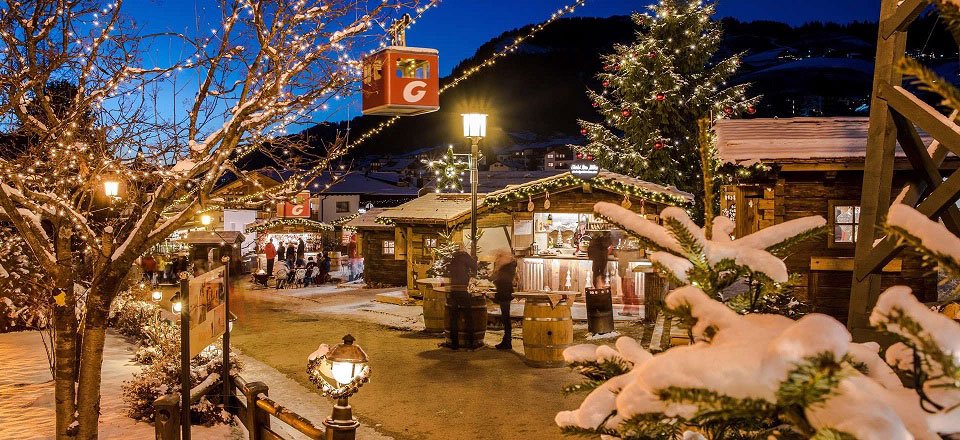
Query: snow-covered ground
[(26, 392)]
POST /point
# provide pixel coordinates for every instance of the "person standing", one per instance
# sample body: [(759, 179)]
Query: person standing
[(462, 267), (271, 253), (505, 270), (291, 255), (301, 251), (149, 266), (631, 303), (598, 253)]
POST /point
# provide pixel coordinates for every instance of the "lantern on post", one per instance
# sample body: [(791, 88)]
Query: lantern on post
[(339, 372), (400, 80)]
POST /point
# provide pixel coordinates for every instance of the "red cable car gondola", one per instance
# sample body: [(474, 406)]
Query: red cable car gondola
[(400, 80)]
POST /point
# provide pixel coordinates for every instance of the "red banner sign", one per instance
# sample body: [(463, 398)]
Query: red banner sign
[(298, 207)]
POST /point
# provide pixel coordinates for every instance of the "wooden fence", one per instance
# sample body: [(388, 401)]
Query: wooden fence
[(249, 402)]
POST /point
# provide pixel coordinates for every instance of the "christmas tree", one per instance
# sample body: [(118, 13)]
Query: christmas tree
[(655, 91)]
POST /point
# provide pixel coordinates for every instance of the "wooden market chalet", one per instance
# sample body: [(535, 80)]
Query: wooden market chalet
[(539, 220), (796, 167)]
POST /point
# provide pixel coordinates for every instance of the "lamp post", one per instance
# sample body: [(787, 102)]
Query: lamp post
[(474, 128), (339, 372), (111, 188)]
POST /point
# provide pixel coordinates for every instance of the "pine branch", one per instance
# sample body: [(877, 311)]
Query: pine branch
[(811, 382), (927, 80), (930, 259), (651, 426), (832, 434), (692, 247), (576, 431), (783, 248), (950, 15)]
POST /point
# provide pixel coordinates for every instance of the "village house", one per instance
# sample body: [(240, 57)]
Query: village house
[(797, 167)]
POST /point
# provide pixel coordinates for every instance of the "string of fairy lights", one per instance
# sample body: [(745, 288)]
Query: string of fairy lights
[(291, 184), (449, 171)]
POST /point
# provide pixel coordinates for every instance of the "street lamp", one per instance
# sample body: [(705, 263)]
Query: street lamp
[(205, 219), (111, 188), (339, 372), (156, 296), (474, 128)]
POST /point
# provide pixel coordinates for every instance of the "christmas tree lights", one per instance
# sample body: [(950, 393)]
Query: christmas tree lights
[(654, 92)]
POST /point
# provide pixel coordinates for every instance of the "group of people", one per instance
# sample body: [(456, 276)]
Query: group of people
[(287, 265), (158, 269), (462, 267)]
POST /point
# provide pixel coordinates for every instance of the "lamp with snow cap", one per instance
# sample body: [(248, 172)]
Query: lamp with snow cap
[(339, 372)]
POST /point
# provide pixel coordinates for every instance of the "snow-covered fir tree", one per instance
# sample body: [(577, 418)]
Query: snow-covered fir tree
[(748, 273), (656, 89)]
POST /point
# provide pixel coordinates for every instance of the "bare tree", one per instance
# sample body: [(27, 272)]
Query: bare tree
[(80, 105)]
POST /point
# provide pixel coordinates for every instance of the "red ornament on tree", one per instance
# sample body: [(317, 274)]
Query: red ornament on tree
[(658, 145), (728, 110), (751, 110), (625, 113), (579, 155), (596, 104), (606, 83), (608, 67), (589, 157), (652, 54), (661, 96), (584, 132)]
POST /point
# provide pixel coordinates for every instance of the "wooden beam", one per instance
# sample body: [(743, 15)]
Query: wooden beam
[(942, 197), (902, 17), (941, 127), (917, 153)]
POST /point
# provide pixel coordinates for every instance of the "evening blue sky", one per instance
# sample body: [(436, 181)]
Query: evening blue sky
[(457, 27)]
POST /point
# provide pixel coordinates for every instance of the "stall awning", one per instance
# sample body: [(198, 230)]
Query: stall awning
[(213, 237), (276, 222)]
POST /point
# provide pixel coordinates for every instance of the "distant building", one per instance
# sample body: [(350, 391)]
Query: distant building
[(499, 166), (558, 159)]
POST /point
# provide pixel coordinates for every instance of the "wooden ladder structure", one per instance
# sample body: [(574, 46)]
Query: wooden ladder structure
[(895, 115)]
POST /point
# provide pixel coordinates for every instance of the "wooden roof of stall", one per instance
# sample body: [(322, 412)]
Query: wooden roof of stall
[(213, 237), (451, 209), (367, 220), (795, 140)]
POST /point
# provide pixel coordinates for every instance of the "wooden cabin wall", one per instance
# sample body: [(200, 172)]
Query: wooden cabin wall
[(378, 268), (801, 194)]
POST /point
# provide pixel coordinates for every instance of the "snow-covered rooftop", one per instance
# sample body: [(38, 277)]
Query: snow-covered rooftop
[(433, 208), (367, 220), (793, 139)]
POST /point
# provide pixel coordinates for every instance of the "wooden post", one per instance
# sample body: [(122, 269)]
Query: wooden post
[(167, 417), (184, 356), (255, 418), (877, 173), (225, 372)]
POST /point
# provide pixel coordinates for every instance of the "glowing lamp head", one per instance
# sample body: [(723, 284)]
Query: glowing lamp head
[(341, 370), (156, 295), (176, 304), (206, 220), (111, 188), (474, 125)]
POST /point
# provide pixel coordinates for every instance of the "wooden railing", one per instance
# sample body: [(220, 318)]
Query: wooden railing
[(249, 402)]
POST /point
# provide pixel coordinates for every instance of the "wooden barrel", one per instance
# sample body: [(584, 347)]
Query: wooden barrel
[(599, 310), (547, 331), (434, 311), (473, 315)]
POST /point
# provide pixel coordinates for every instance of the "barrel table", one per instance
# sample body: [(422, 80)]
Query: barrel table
[(473, 316), (434, 303), (547, 327), (599, 310)]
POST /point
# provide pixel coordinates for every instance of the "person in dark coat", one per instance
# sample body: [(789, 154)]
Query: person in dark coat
[(598, 253), (301, 250), (504, 271), (324, 269), (291, 256), (462, 267)]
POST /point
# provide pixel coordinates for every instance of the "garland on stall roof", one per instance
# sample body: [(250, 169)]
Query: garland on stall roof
[(610, 184), (288, 221), (385, 221)]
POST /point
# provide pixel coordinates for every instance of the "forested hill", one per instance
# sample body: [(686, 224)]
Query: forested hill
[(539, 91)]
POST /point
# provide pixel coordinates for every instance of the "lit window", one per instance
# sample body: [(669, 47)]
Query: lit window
[(846, 223), (429, 243), (549, 156), (411, 68), (389, 247), (343, 207), (550, 164)]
